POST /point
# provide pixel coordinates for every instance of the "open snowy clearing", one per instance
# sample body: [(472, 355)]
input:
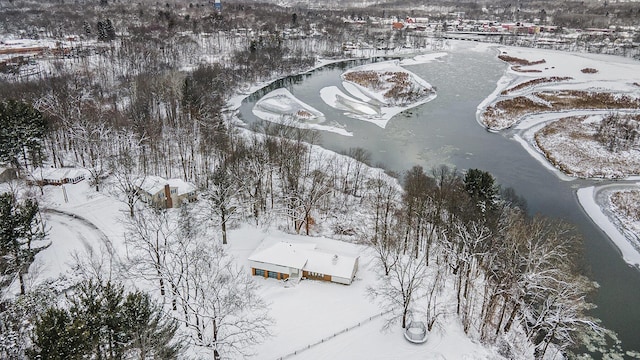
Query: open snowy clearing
[(571, 143), (368, 341)]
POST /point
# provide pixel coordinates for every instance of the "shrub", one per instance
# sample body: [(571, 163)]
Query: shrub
[(619, 132), (517, 61)]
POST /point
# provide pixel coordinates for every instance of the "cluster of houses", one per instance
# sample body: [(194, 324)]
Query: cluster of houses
[(281, 261), (154, 190)]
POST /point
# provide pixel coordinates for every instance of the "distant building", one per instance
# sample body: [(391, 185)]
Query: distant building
[(285, 260), (217, 5), (162, 193)]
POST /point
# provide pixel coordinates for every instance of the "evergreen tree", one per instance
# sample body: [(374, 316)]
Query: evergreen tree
[(59, 337), (20, 228), (99, 307), (116, 334), (17, 319), (87, 28), (102, 31), (482, 188), (110, 31), (151, 332), (22, 130), (104, 323), (87, 308)]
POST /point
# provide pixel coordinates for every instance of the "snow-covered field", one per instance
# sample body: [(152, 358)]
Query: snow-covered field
[(571, 144)]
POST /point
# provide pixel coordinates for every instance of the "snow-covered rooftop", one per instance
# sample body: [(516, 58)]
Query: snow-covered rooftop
[(284, 254), (183, 187), (306, 257), (57, 174), (330, 264), (153, 184)]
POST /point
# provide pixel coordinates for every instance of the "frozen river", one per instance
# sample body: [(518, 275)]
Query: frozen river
[(445, 131)]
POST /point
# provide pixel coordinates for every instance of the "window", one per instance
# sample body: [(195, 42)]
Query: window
[(272, 274), (173, 191), (260, 272)]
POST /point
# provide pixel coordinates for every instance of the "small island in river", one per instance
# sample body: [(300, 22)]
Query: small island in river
[(377, 92)]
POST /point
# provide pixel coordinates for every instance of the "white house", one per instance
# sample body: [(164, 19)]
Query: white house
[(56, 176), (284, 260), (163, 193)]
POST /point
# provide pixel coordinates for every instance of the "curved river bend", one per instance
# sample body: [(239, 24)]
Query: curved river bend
[(445, 131)]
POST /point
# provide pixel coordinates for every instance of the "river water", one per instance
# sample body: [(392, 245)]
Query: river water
[(445, 131)]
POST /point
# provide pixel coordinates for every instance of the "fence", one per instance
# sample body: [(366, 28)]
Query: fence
[(322, 341)]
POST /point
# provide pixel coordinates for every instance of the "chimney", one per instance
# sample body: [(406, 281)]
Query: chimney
[(167, 195)]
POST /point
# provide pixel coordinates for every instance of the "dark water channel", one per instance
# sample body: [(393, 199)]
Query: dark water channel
[(445, 131)]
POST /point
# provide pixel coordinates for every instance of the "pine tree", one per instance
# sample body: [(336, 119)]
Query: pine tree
[(87, 28), (110, 31), (20, 228), (483, 190), (58, 337), (22, 130), (88, 310), (17, 319), (104, 323), (151, 332), (102, 32), (116, 334)]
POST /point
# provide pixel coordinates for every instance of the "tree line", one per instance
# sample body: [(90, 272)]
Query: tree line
[(459, 233)]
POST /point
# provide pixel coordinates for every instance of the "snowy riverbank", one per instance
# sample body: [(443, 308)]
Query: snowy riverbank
[(563, 137), (595, 202), (529, 89)]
